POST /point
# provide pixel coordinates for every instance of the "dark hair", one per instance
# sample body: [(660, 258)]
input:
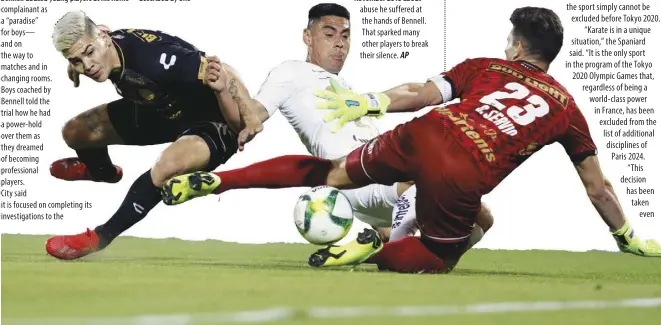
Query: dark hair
[(540, 30), (326, 9)]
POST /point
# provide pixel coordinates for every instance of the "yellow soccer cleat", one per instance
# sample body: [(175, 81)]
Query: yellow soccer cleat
[(358, 251), (186, 187)]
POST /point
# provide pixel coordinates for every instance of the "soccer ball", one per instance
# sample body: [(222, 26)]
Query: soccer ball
[(323, 215)]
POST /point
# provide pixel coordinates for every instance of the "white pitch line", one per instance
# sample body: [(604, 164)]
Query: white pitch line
[(283, 314)]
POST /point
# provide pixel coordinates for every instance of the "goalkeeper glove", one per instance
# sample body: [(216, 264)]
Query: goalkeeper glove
[(628, 242), (348, 106)]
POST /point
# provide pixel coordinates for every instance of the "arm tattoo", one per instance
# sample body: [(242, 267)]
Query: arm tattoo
[(234, 91)]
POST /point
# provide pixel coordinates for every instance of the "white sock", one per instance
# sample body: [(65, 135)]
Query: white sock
[(475, 237), (373, 204), (403, 215)]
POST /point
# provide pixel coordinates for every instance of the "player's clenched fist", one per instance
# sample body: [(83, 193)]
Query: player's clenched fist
[(215, 76)]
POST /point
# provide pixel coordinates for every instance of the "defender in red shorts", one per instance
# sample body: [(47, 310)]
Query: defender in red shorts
[(509, 109)]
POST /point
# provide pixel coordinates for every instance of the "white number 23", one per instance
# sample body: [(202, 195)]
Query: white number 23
[(536, 107)]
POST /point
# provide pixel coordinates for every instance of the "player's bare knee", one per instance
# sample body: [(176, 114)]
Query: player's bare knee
[(187, 154), (165, 168), (76, 134), (337, 176), (484, 218)]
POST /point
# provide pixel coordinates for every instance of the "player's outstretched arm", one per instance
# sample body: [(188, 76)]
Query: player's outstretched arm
[(410, 97), (348, 106), (603, 198)]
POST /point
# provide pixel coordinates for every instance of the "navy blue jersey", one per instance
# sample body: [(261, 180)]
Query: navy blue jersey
[(163, 73)]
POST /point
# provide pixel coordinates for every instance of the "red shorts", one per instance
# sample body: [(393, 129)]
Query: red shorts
[(447, 177)]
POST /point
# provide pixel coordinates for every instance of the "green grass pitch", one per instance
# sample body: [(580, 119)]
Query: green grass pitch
[(163, 277)]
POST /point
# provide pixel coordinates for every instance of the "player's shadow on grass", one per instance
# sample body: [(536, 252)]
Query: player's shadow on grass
[(272, 264)]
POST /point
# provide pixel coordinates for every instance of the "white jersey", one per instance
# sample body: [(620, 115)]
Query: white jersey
[(290, 88)]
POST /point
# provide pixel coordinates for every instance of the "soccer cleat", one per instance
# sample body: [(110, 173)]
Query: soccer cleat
[(358, 251), (72, 169), (186, 187), (72, 247)]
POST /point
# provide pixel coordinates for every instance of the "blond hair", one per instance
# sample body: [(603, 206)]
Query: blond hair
[(70, 28)]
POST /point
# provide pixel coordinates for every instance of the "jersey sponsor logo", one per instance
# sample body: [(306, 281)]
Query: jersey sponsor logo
[(505, 117), (553, 92), (144, 36), (461, 121)]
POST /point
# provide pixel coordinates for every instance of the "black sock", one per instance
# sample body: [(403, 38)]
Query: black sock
[(98, 163), (142, 197)]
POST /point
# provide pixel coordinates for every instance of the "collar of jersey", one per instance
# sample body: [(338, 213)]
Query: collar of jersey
[(121, 58), (526, 63)]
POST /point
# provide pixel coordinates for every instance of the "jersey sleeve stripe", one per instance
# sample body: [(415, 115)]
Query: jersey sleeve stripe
[(445, 86)]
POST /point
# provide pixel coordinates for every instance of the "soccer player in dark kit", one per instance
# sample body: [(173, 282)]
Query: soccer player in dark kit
[(165, 98)]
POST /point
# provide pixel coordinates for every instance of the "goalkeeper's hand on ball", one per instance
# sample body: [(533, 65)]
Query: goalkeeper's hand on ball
[(348, 106), (628, 242)]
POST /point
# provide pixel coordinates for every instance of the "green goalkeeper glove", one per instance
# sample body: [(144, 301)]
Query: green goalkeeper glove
[(628, 242), (348, 106)]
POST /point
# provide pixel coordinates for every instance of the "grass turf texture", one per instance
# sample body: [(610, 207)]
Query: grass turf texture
[(144, 276)]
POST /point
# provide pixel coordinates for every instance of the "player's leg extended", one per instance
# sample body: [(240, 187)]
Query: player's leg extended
[(281, 172), (194, 150), (89, 134)]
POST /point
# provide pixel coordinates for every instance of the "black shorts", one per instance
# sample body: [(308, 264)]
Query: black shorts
[(138, 125)]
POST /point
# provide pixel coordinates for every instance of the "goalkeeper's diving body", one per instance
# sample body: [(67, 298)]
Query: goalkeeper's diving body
[(289, 88), (455, 154)]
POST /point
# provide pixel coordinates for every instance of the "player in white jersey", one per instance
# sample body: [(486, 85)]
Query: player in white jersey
[(290, 88)]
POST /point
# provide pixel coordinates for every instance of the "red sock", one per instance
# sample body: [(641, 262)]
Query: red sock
[(280, 172), (408, 255)]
